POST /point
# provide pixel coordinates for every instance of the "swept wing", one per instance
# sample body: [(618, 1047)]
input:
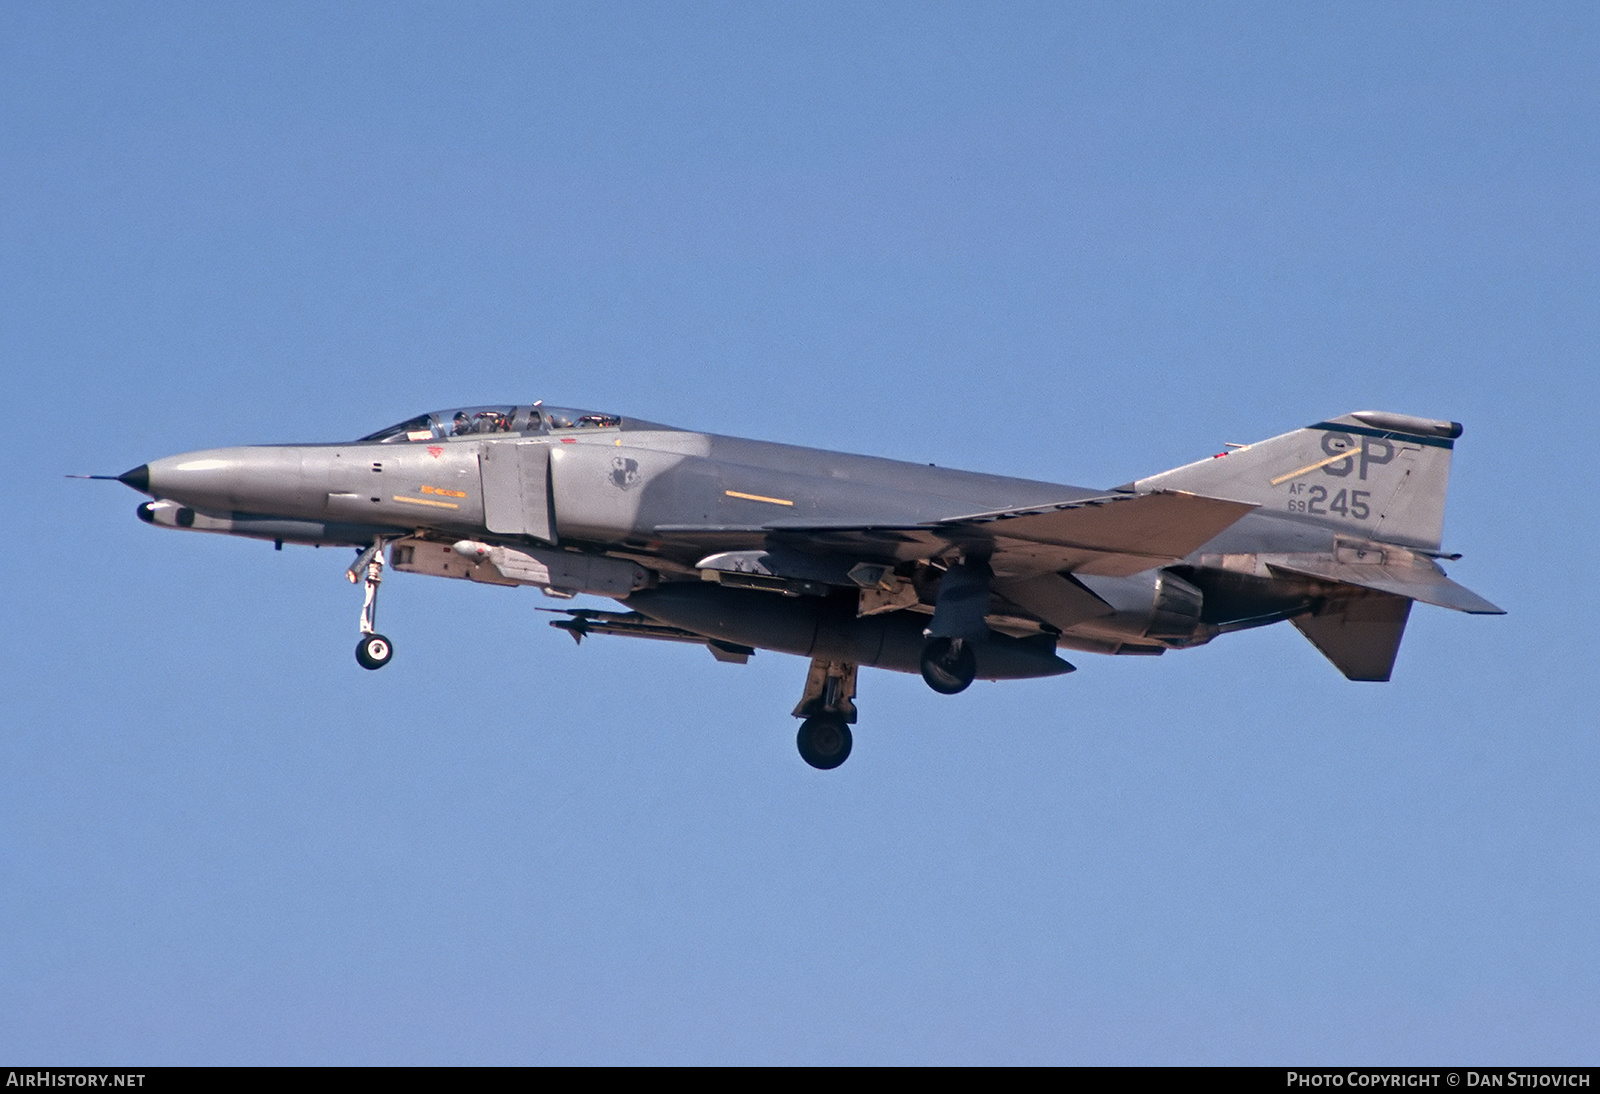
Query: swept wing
[(1111, 535)]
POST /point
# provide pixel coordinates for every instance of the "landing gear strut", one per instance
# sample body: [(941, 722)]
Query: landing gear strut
[(374, 650), (948, 664), (828, 707)]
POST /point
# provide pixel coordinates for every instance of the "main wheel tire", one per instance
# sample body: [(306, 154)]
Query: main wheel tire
[(948, 665), (374, 651), (824, 741)]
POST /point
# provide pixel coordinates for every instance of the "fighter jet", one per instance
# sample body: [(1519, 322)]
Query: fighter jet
[(740, 545)]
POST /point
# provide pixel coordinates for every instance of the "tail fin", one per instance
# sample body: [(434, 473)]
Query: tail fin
[(1382, 476)]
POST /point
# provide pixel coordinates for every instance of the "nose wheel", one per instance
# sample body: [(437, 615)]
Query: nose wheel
[(374, 650)]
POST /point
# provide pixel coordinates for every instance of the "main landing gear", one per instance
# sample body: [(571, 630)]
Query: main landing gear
[(948, 664), (828, 703), (374, 650), (828, 707)]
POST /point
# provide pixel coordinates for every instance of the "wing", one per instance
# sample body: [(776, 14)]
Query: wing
[(1114, 535), (1111, 534)]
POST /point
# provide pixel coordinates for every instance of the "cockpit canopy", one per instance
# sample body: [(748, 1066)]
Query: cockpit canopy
[(471, 420)]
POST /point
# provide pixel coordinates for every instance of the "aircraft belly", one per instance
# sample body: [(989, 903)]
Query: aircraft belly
[(829, 629)]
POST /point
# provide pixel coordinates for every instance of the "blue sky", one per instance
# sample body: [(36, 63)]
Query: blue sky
[(1078, 243)]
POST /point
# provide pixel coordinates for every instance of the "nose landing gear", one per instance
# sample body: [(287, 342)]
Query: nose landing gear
[(374, 650)]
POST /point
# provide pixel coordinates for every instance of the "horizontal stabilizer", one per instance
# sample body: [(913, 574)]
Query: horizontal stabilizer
[(1421, 580), (1360, 635)]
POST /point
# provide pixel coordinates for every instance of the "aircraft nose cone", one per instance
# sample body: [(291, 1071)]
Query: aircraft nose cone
[(138, 478)]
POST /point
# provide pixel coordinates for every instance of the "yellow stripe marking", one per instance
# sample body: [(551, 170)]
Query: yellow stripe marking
[(1320, 463), (758, 497), (427, 501)]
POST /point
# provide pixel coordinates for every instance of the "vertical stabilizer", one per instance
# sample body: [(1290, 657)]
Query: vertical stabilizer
[(1381, 476)]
